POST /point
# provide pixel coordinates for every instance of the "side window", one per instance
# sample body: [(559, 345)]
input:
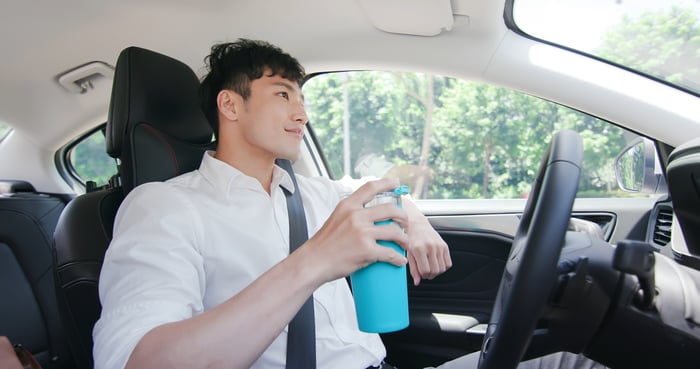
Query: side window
[(88, 159), (448, 138)]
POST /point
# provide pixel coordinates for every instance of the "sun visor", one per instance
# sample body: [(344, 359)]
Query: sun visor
[(410, 17)]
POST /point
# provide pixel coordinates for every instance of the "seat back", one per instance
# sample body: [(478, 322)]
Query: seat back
[(156, 127), (28, 309), (683, 177), (157, 131)]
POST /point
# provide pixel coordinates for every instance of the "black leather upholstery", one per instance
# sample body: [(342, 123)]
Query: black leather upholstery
[(155, 123), (158, 131), (28, 309), (683, 176), (82, 235), (15, 186)]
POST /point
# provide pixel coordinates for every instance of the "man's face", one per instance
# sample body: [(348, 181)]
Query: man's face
[(274, 117)]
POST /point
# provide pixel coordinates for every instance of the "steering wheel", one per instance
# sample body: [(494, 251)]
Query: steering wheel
[(531, 269)]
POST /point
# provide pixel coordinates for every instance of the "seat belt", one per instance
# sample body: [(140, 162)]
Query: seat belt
[(301, 336)]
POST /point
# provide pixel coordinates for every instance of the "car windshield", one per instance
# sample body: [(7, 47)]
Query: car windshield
[(659, 38)]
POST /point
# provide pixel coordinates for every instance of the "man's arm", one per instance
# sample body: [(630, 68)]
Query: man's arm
[(235, 333), (428, 254), (8, 358)]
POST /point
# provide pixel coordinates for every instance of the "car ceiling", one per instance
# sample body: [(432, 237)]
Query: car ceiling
[(43, 39)]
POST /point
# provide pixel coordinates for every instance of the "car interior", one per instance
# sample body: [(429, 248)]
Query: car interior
[(627, 296)]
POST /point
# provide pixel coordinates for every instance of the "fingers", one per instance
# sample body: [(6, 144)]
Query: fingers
[(413, 269), (447, 259), (384, 212), (389, 255), (422, 263), (427, 260), (366, 193), (437, 261), (390, 232), (436, 264)]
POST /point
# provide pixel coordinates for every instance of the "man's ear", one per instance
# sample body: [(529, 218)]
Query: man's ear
[(229, 103)]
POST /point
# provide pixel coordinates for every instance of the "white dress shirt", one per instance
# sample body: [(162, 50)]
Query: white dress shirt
[(184, 246)]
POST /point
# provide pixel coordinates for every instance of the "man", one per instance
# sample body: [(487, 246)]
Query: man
[(199, 272)]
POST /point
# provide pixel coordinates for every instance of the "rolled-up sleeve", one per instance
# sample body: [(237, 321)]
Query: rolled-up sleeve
[(152, 274)]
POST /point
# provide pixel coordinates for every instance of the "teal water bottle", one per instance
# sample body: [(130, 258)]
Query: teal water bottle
[(380, 290)]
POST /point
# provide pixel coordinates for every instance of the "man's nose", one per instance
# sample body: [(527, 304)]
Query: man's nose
[(299, 114)]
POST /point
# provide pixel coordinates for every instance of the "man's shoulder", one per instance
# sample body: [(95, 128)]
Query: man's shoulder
[(163, 193), (184, 182), (322, 188)]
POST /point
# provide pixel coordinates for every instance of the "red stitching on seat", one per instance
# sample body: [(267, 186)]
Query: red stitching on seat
[(167, 145)]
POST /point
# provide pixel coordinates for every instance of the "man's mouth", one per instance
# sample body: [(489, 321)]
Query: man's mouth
[(296, 131)]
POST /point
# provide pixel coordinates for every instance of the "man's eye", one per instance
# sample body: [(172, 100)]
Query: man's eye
[(283, 94)]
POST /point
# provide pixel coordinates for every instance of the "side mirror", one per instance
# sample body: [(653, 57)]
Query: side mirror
[(635, 167)]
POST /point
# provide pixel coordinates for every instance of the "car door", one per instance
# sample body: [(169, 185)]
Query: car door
[(469, 153)]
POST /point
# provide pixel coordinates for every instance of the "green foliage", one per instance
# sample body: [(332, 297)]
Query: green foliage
[(486, 142), (90, 160), (4, 129), (664, 44)]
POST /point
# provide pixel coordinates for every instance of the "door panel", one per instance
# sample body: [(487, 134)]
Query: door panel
[(446, 313), (443, 310)]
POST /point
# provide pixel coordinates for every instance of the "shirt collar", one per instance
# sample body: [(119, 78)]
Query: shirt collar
[(228, 179)]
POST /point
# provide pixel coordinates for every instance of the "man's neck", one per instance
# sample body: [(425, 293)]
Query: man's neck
[(250, 164)]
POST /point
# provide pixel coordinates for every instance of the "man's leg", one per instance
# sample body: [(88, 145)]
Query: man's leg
[(559, 360)]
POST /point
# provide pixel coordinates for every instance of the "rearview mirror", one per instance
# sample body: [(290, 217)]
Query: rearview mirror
[(635, 167)]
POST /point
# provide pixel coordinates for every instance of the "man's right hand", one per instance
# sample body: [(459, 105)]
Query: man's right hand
[(348, 239)]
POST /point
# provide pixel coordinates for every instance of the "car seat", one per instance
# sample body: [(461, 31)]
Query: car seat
[(156, 130), (683, 176), (28, 309)]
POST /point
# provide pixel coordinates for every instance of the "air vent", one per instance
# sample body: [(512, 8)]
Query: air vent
[(662, 226)]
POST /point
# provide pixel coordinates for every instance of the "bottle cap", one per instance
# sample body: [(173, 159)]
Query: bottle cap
[(401, 190)]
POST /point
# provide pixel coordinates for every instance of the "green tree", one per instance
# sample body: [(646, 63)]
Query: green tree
[(4, 129), (665, 44), (90, 160), (421, 88), (495, 135), (383, 119), (484, 141)]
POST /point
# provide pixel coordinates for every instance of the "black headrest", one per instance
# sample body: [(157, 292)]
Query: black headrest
[(155, 126), (687, 148), (14, 186), (683, 177)]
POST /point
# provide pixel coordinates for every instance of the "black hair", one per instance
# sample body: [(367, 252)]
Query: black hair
[(234, 65)]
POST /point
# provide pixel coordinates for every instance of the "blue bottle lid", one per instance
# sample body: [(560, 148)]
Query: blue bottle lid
[(401, 190)]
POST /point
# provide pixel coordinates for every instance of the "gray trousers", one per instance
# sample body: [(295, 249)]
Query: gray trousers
[(559, 360)]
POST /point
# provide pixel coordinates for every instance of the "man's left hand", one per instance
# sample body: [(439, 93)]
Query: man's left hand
[(428, 254)]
